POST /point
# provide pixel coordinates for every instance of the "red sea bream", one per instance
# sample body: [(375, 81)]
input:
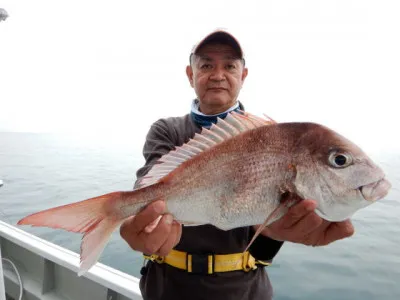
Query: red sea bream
[(234, 175)]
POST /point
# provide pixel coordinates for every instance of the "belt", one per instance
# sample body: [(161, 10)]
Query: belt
[(208, 263)]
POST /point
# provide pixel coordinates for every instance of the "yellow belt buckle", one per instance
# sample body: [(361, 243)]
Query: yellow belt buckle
[(160, 259), (206, 258), (249, 262), (154, 257)]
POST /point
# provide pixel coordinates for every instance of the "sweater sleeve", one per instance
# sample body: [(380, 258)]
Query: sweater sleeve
[(158, 142), (264, 248)]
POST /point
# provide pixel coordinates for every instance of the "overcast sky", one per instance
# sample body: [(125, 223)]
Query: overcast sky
[(117, 66)]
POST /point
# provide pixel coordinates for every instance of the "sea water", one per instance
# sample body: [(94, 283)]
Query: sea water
[(46, 170)]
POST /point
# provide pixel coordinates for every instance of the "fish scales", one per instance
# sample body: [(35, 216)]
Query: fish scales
[(233, 180)]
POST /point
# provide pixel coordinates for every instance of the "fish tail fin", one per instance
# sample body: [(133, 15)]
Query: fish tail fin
[(93, 243), (96, 218)]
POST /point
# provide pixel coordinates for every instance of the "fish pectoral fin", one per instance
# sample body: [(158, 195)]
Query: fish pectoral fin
[(275, 215), (290, 199)]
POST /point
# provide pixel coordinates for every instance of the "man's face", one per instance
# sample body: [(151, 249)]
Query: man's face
[(217, 76)]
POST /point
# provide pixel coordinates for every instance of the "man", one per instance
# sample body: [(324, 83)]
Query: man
[(216, 72)]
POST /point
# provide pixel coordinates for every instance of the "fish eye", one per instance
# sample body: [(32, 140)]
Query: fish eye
[(339, 159)]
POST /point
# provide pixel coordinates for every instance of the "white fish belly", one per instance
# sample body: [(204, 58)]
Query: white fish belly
[(225, 210), (195, 207)]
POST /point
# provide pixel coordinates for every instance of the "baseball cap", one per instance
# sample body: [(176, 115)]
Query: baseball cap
[(219, 36)]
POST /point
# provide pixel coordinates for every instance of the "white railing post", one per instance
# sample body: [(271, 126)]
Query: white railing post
[(2, 288)]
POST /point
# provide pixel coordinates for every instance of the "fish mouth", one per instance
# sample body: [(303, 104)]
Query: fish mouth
[(370, 193), (375, 190)]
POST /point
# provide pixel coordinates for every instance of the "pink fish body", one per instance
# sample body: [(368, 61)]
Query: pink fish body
[(234, 175)]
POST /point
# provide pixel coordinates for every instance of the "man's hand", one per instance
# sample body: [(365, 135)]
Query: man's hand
[(150, 232), (302, 225)]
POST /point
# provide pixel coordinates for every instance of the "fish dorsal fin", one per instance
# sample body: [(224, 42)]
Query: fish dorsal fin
[(234, 124)]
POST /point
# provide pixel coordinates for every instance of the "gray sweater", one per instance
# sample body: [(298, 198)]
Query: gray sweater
[(161, 281)]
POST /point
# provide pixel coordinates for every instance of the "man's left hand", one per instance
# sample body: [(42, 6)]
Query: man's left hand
[(302, 225)]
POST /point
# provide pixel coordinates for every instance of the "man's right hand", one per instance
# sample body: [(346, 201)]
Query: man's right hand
[(151, 231)]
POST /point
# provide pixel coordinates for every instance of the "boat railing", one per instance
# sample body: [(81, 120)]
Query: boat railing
[(49, 272)]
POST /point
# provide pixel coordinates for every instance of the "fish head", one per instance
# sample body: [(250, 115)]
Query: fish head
[(338, 174)]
